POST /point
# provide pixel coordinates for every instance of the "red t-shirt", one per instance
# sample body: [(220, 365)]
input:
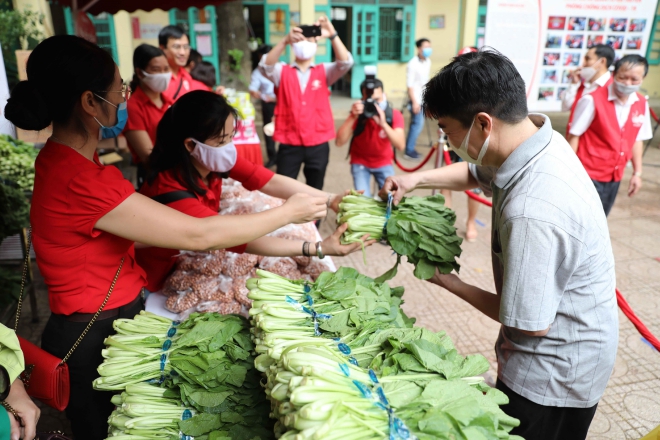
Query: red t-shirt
[(372, 148), (144, 115), (77, 261), (158, 262), (188, 84)]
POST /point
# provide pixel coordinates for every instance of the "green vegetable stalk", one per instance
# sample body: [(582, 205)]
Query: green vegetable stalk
[(420, 228)]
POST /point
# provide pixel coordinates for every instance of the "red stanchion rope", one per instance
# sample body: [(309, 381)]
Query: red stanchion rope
[(421, 164), (654, 116), (639, 325)]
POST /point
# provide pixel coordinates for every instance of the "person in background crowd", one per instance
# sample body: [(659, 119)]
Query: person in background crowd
[(263, 89), (176, 45), (86, 217), (147, 103), (304, 122), (13, 364), (609, 128), (204, 72), (372, 139), (193, 152), (552, 258), (471, 232), (418, 73), (593, 74), (194, 59)]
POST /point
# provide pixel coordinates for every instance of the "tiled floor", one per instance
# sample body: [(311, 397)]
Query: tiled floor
[(631, 405)]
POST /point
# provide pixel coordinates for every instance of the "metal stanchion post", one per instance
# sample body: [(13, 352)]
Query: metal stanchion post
[(439, 157)]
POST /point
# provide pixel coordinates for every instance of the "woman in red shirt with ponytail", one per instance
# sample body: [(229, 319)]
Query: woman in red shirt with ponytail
[(86, 217)]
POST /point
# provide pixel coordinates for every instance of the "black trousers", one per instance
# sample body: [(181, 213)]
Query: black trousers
[(88, 409), (267, 111), (315, 159), (540, 422), (607, 192)]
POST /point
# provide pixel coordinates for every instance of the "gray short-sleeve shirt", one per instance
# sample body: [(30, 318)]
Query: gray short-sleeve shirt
[(553, 267)]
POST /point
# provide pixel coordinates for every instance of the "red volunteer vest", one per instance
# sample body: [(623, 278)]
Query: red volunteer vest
[(604, 148), (303, 119), (578, 95)]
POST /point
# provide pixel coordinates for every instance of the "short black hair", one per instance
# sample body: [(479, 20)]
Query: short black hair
[(421, 41), (194, 57), (378, 84), (632, 61), (484, 81), (604, 51), (170, 32), (204, 72)]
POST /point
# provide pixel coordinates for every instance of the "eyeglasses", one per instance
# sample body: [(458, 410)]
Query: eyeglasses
[(180, 46), (125, 91)]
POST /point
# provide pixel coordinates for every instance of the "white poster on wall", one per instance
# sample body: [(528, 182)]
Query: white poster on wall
[(546, 39), (6, 127)]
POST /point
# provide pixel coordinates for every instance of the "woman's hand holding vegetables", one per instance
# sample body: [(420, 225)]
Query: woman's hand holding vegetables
[(337, 198), (332, 245), (303, 208), (398, 186), (26, 409)]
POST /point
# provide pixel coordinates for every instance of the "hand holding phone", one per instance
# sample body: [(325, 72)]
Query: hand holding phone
[(310, 30)]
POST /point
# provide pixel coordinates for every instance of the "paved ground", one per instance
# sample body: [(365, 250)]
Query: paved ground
[(631, 405)]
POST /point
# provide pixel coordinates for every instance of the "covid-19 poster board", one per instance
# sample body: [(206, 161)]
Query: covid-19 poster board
[(546, 39)]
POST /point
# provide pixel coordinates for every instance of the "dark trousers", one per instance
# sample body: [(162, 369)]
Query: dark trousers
[(540, 422), (607, 192), (88, 409), (315, 159), (267, 111)]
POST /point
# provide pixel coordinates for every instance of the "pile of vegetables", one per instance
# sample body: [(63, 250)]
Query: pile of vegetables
[(17, 162), (342, 361), (420, 228), (206, 364)]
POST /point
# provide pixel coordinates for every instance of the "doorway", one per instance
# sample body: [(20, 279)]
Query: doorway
[(342, 19)]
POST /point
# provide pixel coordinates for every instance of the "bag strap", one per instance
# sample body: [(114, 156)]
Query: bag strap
[(176, 94), (173, 196), (91, 322)]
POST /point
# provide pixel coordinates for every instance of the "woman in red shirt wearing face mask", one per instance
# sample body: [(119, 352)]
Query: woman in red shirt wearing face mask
[(147, 103), (194, 151), (86, 217)]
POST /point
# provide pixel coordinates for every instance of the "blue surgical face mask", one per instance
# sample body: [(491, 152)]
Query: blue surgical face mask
[(115, 130), (427, 51)]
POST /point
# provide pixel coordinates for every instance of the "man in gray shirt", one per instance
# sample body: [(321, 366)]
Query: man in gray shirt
[(551, 253)]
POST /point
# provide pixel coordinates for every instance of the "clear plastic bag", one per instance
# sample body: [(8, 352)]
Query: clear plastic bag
[(207, 263), (239, 265), (283, 266), (315, 268)]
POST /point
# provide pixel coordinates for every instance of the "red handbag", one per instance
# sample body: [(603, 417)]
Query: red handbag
[(46, 377)]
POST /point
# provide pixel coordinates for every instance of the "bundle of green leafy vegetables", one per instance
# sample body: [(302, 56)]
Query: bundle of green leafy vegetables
[(17, 162), (206, 360), (420, 228), (322, 345)]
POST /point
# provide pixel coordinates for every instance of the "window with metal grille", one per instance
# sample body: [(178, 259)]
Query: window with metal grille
[(391, 26), (181, 20), (653, 51), (105, 33)]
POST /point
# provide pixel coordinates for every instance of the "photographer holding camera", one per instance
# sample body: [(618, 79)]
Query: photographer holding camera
[(375, 128)]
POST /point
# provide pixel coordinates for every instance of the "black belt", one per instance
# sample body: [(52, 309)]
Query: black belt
[(105, 314)]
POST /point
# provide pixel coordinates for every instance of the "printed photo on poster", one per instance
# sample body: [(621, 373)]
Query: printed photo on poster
[(565, 77), (549, 77), (618, 24), (561, 91), (577, 23), (634, 43), (553, 42), (556, 23), (597, 24), (615, 41), (637, 25), (546, 93), (571, 59), (551, 59), (574, 41), (593, 40)]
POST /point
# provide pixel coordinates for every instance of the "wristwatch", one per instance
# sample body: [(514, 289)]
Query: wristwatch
[(333, 36)]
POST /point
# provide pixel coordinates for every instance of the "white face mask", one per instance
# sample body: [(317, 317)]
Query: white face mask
[(462, 151), (158, 82), (218, 159), (304, 50), (624, 89), (587, 73)]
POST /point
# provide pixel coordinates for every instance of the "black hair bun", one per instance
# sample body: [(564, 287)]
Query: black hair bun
[(26, 108)]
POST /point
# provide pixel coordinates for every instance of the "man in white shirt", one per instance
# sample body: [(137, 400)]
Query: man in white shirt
[(418, 72), (594, 73), (609, 128)]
